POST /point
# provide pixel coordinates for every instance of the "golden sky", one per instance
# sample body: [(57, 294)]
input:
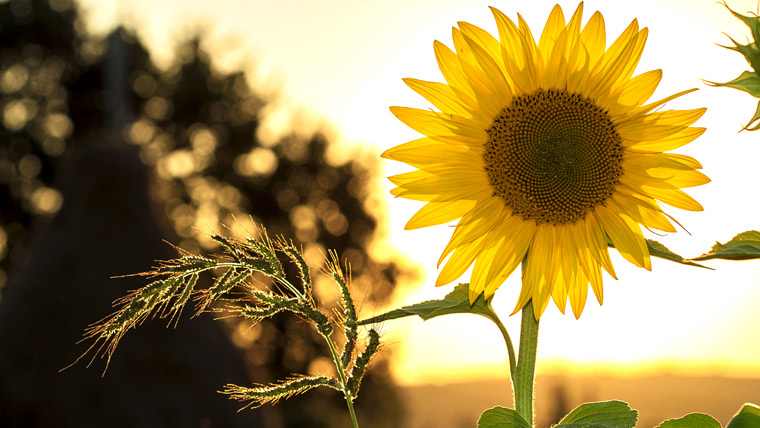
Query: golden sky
[(337, 65)]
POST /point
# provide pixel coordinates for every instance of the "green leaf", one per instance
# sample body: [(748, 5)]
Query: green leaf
[(748, 82), (694, 420), (501, 417), (604, 414), (748, 417), (456, 302), (658, 250), (744, 246)]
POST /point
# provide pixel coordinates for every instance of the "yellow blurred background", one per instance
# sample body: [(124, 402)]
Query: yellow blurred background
[(336, 66)]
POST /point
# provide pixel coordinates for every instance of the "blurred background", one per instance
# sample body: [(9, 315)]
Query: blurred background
[(128, 123)]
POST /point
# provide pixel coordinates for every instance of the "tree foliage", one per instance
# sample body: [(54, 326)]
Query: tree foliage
[(196, 128)]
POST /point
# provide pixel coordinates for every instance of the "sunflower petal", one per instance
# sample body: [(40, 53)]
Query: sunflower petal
[(635, 92), (485, 40), (483, 218), (426, 151), (553, 27), (516, 60), (451, 70), (593, 37), (460, 261), (442, 96), (625, 235), (442, 127), (499, 88), (435, 213)]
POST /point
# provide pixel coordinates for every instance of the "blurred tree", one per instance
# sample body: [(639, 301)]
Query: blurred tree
[(195, 127)]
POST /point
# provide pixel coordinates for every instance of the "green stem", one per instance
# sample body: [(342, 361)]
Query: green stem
[(526, 364), (508, 341), (341, 373)]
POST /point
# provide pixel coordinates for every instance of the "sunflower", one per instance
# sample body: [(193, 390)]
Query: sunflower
[(545, 153)]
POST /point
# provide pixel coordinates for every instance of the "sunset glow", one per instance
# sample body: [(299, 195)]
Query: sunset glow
[(337, 66)]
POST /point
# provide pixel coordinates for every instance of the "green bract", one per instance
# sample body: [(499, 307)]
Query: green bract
[(748, 81)]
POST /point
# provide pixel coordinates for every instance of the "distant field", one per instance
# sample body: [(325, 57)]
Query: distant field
[(657, 398)]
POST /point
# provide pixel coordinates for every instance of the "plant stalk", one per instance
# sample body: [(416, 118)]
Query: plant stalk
[(341, 373), (526, 364), (508, 342)]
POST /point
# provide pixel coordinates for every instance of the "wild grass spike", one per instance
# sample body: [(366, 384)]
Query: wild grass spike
[(349, 309), (263, 394), (175, 285), (362, 361)]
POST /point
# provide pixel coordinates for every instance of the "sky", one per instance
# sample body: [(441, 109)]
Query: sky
[(337, 65)]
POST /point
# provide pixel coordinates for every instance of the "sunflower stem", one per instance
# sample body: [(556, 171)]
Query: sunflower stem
[(526, 364)]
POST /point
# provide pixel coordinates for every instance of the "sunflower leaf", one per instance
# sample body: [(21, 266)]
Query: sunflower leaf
[(658, 250), (744, 246), (501, 417), (747, 417), (456, 302), (693, 420), (604, 414)]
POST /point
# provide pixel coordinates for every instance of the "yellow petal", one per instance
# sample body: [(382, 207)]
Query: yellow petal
[(554, 25), (514, 54), (672, 142), (643, 213), (594, 275), (574, 26), (469, 193), (625, 235), (641, 162), (460, 261), (687, 161), (505, 249), (435, 213), (451, 179), (479, 222), (541, 268), (593, 37), (659, 126), (559, 292), (645, 109), (667, 178), (497, 86), (443, 98), (485, 40), (597, 243), (448, 128), (426, 151), (606, 73), (513, 250), (634, 92), (673, 197), (451, 70), (578, 291)]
